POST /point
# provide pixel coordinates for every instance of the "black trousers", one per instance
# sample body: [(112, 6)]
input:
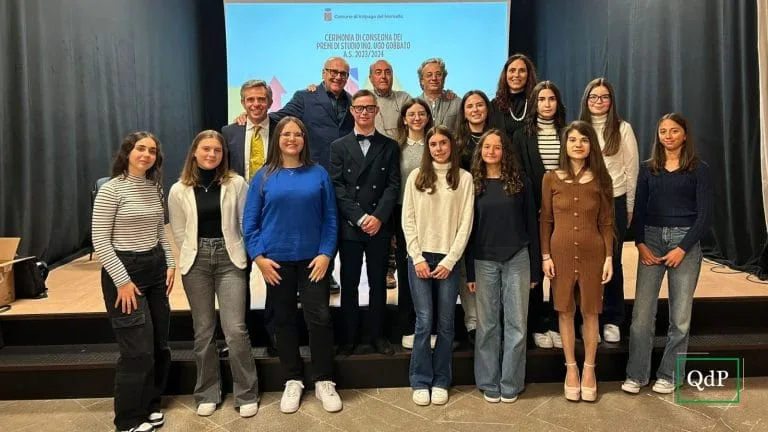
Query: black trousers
[(406, 316), (314, 298), (613, 297), (142, 337), (376, 250)]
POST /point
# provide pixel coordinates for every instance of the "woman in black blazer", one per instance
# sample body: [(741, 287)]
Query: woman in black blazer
[(538, 144)]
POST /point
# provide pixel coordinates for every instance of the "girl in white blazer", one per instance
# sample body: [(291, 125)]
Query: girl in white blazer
[(206, 210)]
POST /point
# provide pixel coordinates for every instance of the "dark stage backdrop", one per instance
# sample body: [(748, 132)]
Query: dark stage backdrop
[(698, 58), (76, 76)]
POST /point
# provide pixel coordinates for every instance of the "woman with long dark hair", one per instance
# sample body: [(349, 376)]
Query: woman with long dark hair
[(206, 213), (511, 105), (538, 144), (415, 121), (470, 126), (437, 219), (129, 238), (673, 210), (503, 264), (290, 229), (576, 247), (619, 146)]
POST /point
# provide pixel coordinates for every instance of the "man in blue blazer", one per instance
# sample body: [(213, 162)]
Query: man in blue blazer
[(325, 111)]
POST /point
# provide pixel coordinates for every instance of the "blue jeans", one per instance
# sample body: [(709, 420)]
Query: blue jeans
[(502, 291), (432, 369), (682, 284)]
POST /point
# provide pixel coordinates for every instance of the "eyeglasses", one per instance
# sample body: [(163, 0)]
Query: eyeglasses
[(334, 72), (287, 135), (360, 108), (601, 98), (416, 114)]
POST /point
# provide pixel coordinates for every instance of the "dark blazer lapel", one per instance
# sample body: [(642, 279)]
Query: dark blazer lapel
[(353, 147), (375, 148), (321, 96)]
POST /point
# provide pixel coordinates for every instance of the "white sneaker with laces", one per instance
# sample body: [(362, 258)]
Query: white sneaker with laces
[(663, 386), (542, 340), (421, 397), (439, 396), (249, 409), (611, 333), (407, 341), (205, 409), (326, 392), (291, 399), (557, 341), (631, 386)]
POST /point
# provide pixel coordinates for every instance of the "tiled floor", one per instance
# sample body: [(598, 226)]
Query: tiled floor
[(541, 408)]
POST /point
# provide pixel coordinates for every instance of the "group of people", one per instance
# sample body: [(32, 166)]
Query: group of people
[(485, 199)]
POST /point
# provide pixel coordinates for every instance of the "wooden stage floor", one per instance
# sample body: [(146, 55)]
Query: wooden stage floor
[(75, 288)]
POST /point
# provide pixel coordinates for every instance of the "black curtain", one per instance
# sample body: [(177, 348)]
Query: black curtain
[(697, 58), (76, 76)]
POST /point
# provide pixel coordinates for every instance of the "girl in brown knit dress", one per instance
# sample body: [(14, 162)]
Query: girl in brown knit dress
[(577, 245)]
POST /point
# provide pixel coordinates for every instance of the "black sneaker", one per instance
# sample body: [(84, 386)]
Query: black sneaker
[(471, 336), (345, 350), (144, 427), (382, 346)]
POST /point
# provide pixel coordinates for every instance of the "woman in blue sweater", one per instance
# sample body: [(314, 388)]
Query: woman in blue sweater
[(673, 210), (290, 230)]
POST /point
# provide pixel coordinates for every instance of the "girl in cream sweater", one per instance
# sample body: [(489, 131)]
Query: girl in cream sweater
[(437, 220)]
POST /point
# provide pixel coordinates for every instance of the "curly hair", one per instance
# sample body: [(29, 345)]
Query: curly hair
[(510, 171)]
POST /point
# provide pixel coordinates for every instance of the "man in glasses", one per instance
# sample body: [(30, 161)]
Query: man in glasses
[(365, 169), (432, 74)]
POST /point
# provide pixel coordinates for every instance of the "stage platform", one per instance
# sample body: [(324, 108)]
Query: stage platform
[(75, 288), (62, 346)]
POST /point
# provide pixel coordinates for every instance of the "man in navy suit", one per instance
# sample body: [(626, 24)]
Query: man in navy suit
[(365, 169), (256, 98), (325, 113)]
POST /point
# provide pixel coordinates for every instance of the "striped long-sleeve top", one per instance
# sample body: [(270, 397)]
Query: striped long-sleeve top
[(127, 216)]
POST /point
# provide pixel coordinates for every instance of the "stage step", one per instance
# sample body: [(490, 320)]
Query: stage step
[(710, 316), (83, 371)]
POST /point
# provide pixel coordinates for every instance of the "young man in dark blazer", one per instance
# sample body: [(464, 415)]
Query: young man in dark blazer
[(365, 168)]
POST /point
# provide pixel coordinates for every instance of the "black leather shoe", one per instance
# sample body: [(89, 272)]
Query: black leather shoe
[(471, 336), (346, 350), (382, 346), (335, 287)]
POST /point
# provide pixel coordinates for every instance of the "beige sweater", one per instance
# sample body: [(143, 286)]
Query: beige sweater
[(440, 222)]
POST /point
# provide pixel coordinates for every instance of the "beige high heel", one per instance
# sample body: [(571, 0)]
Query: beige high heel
[(571, 393), (589, 394)]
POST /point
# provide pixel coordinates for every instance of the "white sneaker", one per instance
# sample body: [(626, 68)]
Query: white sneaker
[(249, 409), (326, 392), (421, 397), (291, 399), (433, 341), (542, 340), (439, 396), (407, 341), (631, 386), (557, 341), (206, 409), (611, 333), (156, 419), (512, 399), (663, 386), (144, 427)]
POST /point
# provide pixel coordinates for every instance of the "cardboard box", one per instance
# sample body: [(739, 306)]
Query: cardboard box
[(8, 247)]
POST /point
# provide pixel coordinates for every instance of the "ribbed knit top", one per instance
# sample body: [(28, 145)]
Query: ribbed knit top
[(128, 216), (549, 143)]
